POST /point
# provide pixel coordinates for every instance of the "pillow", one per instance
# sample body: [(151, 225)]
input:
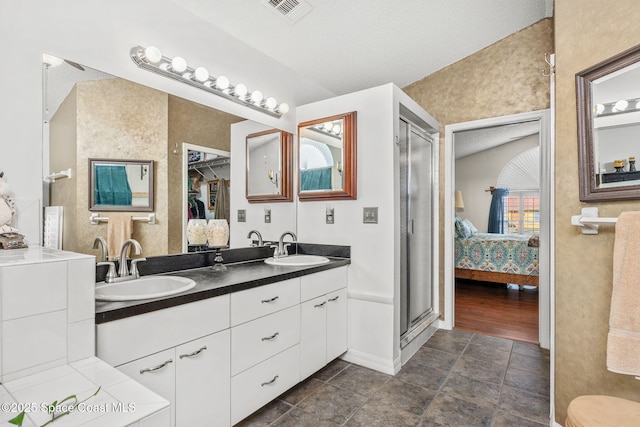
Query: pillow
[(472, 227), (462, 230)]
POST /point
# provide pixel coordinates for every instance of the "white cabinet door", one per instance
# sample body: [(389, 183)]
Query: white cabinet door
[(157, 373), (203, 381), (313, 336), (337, 333)]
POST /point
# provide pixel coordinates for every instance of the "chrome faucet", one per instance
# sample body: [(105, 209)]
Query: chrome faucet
[(123, 270), (100, 243), (281, 249), (257, 233)]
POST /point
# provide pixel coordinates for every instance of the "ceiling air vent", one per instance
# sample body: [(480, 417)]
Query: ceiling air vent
[(291, 10)]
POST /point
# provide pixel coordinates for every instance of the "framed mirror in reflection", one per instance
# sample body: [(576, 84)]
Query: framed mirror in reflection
[(269, 166), (121, 185), (327, 158), (608, 106)]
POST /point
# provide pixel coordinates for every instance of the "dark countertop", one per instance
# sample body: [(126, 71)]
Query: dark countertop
[(210, 283)]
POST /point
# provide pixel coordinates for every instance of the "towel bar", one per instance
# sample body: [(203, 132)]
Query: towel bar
[(62, 174), (589, 220), (95, 218)]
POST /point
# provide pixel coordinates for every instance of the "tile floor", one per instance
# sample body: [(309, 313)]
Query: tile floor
[(456, 379)]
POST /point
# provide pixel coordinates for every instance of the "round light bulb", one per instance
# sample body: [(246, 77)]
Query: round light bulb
[(328, 126), (256, 96), (222, 83), (621, 105), (152, 54), (178, 65), (201, 74), (283, 108), (599, 108), (336, 129), (240, 90), (271, 103)]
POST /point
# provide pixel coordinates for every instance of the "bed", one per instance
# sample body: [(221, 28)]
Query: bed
[(500, 258)]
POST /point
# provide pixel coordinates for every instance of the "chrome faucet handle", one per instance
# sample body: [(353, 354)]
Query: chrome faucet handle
[(111, 274), (134, 267), (276, 250), (285, 251)]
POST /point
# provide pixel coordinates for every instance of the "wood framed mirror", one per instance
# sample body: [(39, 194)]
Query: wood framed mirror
[(608, 107), (269, 166), (327, 158), (121, 185)]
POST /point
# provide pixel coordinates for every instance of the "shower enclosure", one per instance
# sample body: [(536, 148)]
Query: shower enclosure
[(416, 167)]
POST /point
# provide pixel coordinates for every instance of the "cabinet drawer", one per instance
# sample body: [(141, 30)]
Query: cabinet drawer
[(256, 386), (263, 300), (317, 284), (255, 341), (128, 339)]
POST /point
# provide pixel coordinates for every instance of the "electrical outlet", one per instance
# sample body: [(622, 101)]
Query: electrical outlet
[(329, 215), (370, 215), (242, 215)]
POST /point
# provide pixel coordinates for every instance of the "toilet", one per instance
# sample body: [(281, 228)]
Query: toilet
[(602, 411)]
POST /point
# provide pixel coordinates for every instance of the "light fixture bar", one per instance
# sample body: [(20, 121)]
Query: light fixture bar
[(199, 78)]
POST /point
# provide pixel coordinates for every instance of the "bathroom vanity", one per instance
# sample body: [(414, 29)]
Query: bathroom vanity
[(237, 340)]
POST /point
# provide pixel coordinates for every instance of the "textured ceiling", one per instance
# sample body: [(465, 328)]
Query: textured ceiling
[(346, 46)]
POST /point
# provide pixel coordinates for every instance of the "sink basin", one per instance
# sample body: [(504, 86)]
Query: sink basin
[(143, 288), (298, 260)]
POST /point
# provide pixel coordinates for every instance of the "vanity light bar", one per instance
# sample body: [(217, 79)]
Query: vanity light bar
[(617, 107), (176, 68)]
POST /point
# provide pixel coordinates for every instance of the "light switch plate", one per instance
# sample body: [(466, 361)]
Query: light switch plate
[(370, 215), (267, 216), (242, 215), (329, 215)]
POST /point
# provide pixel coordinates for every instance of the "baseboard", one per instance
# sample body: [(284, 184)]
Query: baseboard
[(377, 364)]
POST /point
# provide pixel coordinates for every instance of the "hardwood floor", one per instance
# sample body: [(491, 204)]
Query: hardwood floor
[(493, 309)]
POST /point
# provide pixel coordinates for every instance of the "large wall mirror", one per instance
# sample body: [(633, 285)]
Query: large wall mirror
[(89, 114), (269, 166), (121, 185), (327, 158), (608, 106)]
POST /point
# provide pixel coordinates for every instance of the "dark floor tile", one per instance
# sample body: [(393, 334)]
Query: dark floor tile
[(487, 354), (332, 403), (298, 418), (502, 419), (538, 364), (524, 404), (480, 370), (383, 415), (435, 358), (403, 396), (420, 375), (265, 415), (479, 392), (450, 341), (360, 380), (528, 381), (494, 342), (529, 349), (449, 411), (301, 391), (330, 370)]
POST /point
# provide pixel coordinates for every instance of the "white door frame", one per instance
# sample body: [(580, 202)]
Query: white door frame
[(546, 217)]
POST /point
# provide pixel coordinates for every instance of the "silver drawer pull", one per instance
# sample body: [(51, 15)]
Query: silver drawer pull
[(271, 337), (269, 382), (155, 368), (334, 299), (270, 299), (195, 353), (320, 305)]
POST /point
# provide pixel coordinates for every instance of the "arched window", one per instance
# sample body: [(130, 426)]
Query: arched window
[(522, 206)]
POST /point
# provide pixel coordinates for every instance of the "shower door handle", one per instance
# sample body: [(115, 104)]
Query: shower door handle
[(410, 228)]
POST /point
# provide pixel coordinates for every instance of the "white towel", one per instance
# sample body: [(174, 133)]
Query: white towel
[(119, 229), (623, 343)]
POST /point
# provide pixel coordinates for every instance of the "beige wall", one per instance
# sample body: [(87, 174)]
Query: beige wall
[(587, 32), (504, 78)]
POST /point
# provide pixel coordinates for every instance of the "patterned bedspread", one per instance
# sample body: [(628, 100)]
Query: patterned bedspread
[(503, 253)]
